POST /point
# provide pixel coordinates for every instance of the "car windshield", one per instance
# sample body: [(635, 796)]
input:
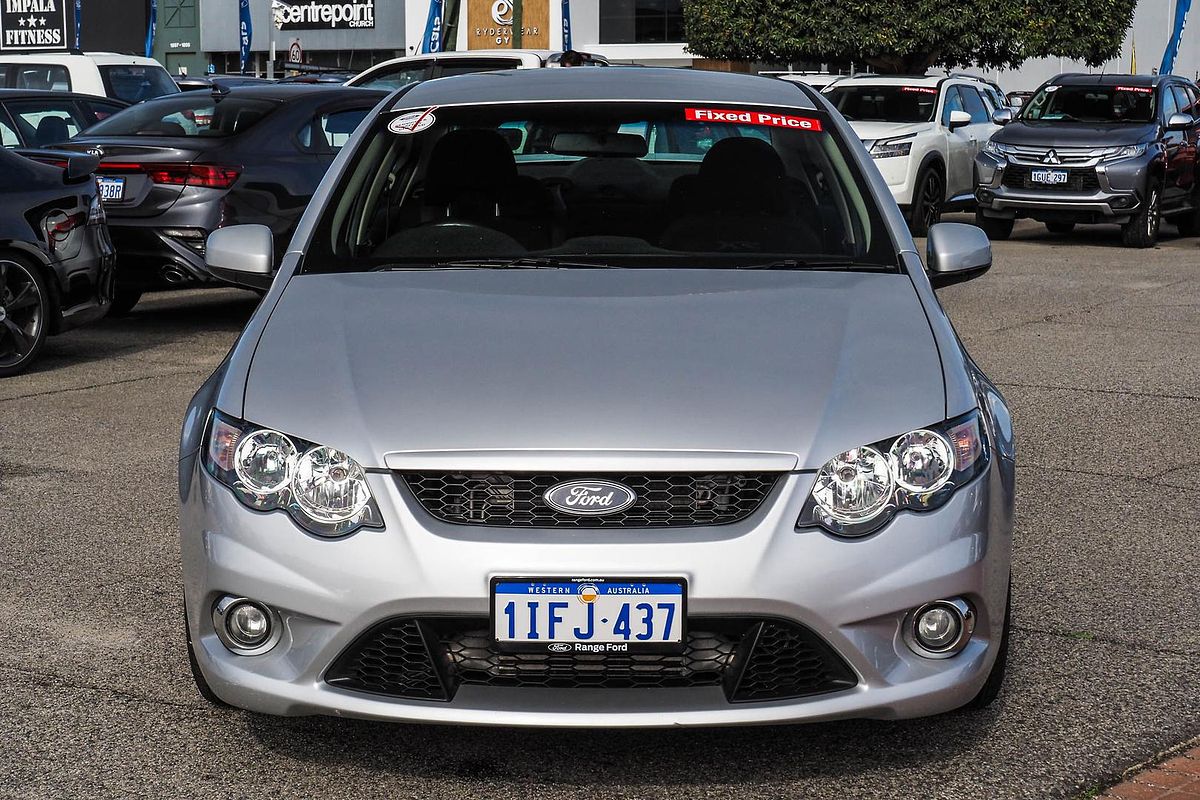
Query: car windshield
[(1103, 104), (885, 103), (617, 184), (188, 114), (134, 83)]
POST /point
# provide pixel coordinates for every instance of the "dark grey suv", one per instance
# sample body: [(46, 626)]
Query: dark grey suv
[(1095, 148)]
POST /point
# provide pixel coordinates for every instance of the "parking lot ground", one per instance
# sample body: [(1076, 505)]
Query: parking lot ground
[(1097, 348)]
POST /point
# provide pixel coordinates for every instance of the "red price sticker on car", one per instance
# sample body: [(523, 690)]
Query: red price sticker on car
[(1138, 89), (752, 118), (919, 89)]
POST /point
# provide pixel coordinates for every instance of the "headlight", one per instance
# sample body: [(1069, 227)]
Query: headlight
[(890, 149), (323, 489), (857, 492), (996, 148), (1127, 151)]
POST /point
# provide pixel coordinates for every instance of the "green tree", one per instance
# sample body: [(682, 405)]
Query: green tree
[(907, 36)]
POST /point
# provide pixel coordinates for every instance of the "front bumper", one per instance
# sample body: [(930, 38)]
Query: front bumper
[(852, 594), (1115, 197)]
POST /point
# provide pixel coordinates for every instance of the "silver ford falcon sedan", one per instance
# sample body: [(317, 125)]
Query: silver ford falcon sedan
[(599, 398)]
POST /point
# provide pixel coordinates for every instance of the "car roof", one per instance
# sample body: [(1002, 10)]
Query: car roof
[(61, 57), (38, 94), (279, 91), (578, 83), (1101, 79)]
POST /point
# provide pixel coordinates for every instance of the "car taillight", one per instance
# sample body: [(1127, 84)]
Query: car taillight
[(208, 176)]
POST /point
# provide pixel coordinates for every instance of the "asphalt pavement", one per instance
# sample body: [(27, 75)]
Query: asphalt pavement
[(1096, 347)]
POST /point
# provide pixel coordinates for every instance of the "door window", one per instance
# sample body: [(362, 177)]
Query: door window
[(329, 132), (101, 109), (8, 135), (402, 76), (974, 105), (1183, 102), (47, 77), (954, 102), (45, 123), (1169, 106)]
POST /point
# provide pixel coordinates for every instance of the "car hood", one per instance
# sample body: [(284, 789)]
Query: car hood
[(653, 361), (873, 131), (1073, 134)]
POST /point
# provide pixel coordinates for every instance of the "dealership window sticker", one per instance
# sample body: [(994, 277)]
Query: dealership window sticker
[(739, 117), (412, 122)]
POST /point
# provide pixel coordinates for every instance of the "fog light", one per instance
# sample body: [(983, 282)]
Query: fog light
[(941, 628), (244, 626), (985, 196), (1124, 201)]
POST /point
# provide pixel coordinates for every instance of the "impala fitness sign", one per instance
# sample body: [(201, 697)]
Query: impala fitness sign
[(318, 14), (33, 24)]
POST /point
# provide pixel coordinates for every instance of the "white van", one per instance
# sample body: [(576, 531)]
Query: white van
[(128, 78)]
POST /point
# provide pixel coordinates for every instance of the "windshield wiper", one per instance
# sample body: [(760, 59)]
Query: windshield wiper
[(523, 262)]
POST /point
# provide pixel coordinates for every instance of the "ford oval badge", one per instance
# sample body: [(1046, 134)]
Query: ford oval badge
[(589, 498)]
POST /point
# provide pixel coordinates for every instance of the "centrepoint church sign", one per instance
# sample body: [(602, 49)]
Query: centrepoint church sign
[(318, 14), (33, 24)]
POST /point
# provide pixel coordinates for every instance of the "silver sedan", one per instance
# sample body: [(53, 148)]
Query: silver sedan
[(582, 398)]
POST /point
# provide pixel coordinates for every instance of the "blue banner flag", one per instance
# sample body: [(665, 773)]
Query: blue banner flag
[(433, 28), (1168, 62), (151, 28), (566, 19), (245, 32), (78, 23)]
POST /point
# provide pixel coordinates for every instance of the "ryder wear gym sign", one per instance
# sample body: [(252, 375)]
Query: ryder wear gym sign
[(318, 14), (33, 24)]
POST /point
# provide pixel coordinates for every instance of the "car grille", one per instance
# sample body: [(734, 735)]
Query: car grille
[(1017, 176), (751, 659), (663, 500)]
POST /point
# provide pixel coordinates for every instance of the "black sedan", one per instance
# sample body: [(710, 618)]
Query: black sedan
[(30, 118), (56, 259), (177, 168)]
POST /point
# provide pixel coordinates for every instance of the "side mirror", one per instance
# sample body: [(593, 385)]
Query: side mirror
[(1002, 116), (955, 253), (242, 254), (1180, 122), (959, 119)]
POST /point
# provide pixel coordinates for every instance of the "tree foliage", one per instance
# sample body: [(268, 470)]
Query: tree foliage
[(907, 36)]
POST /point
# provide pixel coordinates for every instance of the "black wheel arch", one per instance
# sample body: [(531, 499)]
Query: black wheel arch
[(37, 257)]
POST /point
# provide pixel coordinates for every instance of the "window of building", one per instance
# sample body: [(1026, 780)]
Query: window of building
[(641, 21)]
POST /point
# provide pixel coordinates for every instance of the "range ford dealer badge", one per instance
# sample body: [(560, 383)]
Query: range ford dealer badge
[(589, 498)]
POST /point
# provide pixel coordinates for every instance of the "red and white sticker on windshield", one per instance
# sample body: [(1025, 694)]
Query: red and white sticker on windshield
[(1136, 89), (919, 89), (412, 122), (752, 118)]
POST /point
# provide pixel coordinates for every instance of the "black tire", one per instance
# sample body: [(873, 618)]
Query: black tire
[(201, 682), (1188, 223), (24, 314), (124, 300), (996, 228), (929, 195), (1142, 230), (995, 680), (1060, 227)]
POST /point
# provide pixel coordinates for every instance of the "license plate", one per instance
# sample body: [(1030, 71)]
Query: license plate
[(589, 615), (111, 189), (1049, 176)]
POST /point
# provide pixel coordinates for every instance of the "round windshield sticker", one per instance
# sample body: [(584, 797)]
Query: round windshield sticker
[(412, 122)]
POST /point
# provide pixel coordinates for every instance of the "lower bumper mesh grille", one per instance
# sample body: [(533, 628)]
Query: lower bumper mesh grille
[(751, 659)]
